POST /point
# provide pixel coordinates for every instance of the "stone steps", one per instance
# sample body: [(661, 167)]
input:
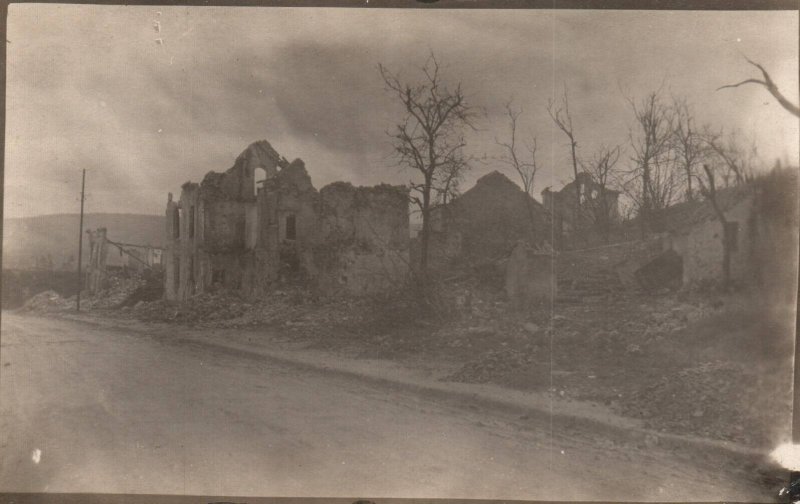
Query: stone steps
[(576, 288)]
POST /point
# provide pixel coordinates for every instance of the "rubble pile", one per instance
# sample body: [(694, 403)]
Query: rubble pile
[(48, 301), (668, 315), (712, 399), (118, 289), (150, 291), (201, 308), (296, 310), (673, 360), (495, 362), (665, 359)]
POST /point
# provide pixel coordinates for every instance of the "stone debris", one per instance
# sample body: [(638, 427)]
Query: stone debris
[(711, 399), (48, 301), (120, 290), (663, 358), (485, 369)]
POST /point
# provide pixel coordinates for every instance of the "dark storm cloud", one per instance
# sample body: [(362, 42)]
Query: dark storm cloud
[(148, 108), (330, 93)]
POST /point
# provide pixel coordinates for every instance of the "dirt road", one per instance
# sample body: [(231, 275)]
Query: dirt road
[(97, 410)]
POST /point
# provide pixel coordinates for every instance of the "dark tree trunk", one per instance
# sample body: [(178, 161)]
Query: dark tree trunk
[(726, 255), (532, 217), (426, 234), (646, 202)]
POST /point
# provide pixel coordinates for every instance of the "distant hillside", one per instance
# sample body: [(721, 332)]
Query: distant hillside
[(28, 239)]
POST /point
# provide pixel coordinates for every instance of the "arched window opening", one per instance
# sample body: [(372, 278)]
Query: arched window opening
[(259, 176)]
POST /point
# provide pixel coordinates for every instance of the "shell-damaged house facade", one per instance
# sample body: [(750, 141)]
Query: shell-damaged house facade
[(262, 223)]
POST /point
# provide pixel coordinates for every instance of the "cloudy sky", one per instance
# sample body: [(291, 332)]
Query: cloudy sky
[(147, 98)]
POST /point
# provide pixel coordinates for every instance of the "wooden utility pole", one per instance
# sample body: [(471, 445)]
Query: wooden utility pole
[(80, 244)]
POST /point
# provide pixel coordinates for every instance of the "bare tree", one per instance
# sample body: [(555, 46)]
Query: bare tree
[(737, 159), (563, 120), (709, 189), (446, 190), (603, 169), (771, 87), (525, 167), (449, 186), (430, 139), (688, 143), (652, 183)]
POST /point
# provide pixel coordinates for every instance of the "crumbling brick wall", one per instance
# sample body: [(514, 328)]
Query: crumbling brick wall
[(588, 225), (702, 249), (96, 276), (250, 235), (364, 238), (287, 216)]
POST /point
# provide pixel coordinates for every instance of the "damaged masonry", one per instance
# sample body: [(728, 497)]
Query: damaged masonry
[(262, 223)]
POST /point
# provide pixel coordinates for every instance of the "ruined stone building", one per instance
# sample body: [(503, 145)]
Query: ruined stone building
[(107, 257), (262, 223), (595, 218), (95, 276), (685, 247), (762, 231), (486, 222), (695, 233)]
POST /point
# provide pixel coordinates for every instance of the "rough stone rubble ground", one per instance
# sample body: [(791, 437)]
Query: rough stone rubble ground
[(693, 364), (121, 291)]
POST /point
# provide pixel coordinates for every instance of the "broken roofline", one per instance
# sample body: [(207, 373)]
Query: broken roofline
[(493, 178), (682, 216), (261, 155), (584, 177)]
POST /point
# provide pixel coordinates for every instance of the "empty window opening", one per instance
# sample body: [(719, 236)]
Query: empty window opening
[(259, 177), (291, 227)]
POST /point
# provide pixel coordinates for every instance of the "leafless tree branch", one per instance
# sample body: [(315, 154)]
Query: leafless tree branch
[(525, 169), (771, 87), (429, 139)]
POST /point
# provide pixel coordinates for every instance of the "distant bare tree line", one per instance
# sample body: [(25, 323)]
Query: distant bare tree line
[(669, 155)]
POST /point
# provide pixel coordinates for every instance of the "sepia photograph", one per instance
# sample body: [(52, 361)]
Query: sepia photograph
[(368, 253)]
